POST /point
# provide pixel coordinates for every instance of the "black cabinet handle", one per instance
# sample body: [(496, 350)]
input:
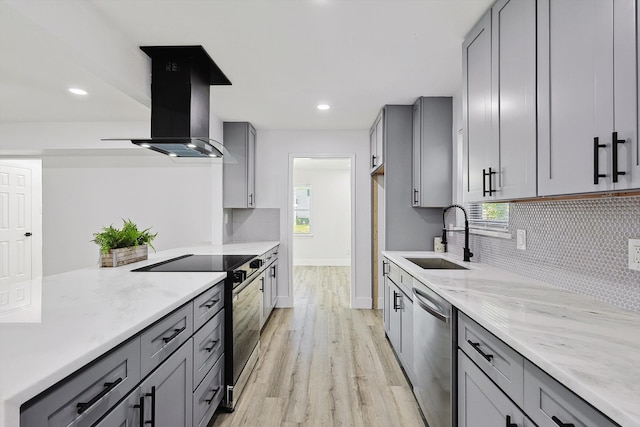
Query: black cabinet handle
[(614, 144), (210, 349), (141, 408), (215, 392), (486, 174), (175, 333), (476, 346), (396, 305), (385, 271), (251, 199), (373, 161), (262, 284), (560, 423), (84, 406), (509, 423), (415, 196), (210, 303), (596, 160), (273, 271), (153, 406)]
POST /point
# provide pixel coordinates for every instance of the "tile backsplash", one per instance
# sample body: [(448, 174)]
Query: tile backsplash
[(251, 225), (579, 245)]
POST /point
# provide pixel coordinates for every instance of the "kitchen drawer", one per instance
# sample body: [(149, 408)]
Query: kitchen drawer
[(272, 255), (208, 345), (208, 395), (207, 304), (549, 404), (91, 391), (401, 278), (165, 336), (499, 361)]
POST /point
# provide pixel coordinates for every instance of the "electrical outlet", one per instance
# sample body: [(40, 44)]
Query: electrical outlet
[(634, 254), (521, 240)]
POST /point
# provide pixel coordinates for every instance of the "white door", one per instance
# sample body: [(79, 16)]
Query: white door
[(15, 224)]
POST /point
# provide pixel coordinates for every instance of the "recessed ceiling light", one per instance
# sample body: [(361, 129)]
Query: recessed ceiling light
[(323, 106), (77, 91)]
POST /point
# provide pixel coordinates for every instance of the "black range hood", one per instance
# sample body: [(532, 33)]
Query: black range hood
[(181, 77)]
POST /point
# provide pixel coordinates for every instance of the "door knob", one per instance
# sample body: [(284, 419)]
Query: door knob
[(28, 234)]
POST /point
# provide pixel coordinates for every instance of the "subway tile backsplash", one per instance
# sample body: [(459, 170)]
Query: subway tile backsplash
[(251, 225), (579, 245)]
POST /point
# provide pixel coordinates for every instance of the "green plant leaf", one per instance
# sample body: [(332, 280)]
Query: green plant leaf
[(113, 238)]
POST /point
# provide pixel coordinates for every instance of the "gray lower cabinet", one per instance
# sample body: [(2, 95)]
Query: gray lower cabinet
[(550, 404), (238, 167), (432, 151), (481, 403), (398, 315), (208, 395), (269, 286)]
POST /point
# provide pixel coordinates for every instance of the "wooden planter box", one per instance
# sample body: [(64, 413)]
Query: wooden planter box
[(122, 256)]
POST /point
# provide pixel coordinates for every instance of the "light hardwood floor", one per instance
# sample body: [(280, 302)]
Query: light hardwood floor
[(324, 364)]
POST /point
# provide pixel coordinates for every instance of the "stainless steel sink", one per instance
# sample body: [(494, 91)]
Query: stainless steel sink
[(436, 264)]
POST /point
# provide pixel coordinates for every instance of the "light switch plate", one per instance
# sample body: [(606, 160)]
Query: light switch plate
[(634, 254), (521, 240)]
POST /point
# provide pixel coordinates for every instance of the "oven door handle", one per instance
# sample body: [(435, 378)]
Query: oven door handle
[(430, 306)]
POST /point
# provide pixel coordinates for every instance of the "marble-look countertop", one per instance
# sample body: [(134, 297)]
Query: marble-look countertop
[(591, 347), (77, 316)]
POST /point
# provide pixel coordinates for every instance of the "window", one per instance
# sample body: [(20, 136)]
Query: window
[(302, 209), (488, 215)]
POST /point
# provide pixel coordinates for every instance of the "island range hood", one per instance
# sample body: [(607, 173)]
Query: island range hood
[(181, 77)]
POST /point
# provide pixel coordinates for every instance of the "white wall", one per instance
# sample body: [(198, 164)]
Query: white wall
[(330, 240), (272, 189)]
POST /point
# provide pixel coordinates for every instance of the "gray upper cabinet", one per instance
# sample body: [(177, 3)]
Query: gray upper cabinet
[(587, 86), (239, 168), (499, 104), (480, 155), (432, 147), (377, 141)]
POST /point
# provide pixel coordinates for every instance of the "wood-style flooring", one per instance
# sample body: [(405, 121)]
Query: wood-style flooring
[(325, 364)]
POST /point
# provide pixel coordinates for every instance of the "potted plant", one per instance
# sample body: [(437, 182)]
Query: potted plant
[(123, 246)]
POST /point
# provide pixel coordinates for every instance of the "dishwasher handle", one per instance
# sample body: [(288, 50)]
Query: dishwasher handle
[(430, 306)]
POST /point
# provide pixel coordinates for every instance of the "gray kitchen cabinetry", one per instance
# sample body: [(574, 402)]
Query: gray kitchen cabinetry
[(269, 285), (432, 147), (495, 380), (239, 179), (587, 85), (481, 403), (377, 142), (499, 104), (398, 315)]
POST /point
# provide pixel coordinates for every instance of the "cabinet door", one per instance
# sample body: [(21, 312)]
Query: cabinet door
[(380, 139), (387, 305), (416, 187), (168, 391), (126, 413), (274, 284), (251, 168), (584, 94), (514, 96), (372, 148), (395, 316), (479, 152), (406, 340), (480, 402), (265, 290)]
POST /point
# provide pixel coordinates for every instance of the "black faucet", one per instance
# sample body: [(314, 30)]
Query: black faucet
[(467, 253)]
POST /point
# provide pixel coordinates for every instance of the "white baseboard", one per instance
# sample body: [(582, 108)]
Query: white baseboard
[(380, 303), (323, 262), (362, 303), (284, 302)]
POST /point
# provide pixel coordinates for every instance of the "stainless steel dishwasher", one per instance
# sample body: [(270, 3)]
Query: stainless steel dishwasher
[(433, 342)]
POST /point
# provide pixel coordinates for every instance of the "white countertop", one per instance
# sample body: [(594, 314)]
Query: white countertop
[(77, 316), (591, 347)]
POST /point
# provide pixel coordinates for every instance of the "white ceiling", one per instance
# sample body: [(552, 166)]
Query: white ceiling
[(283, 57)]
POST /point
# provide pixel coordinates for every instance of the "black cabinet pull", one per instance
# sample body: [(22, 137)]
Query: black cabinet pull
[(614, 144), (141, 408), (509, 423), (210, 303), (262, 284), (396, 305), (560, 423), (596, 160), (215, 392), (251, 199), (273, 271), (476, 346), (415, 196), (84, 406), (385, 270), (373, 161), (175, 333), (486, 174), (215, 343), (153, 406)]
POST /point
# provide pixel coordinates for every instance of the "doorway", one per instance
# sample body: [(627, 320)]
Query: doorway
[(322, 224)]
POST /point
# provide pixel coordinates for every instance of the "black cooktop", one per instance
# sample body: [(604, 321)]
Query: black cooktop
[(196, 263)]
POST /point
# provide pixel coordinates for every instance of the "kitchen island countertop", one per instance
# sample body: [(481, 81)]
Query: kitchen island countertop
[(591, 347), (75, 317)]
